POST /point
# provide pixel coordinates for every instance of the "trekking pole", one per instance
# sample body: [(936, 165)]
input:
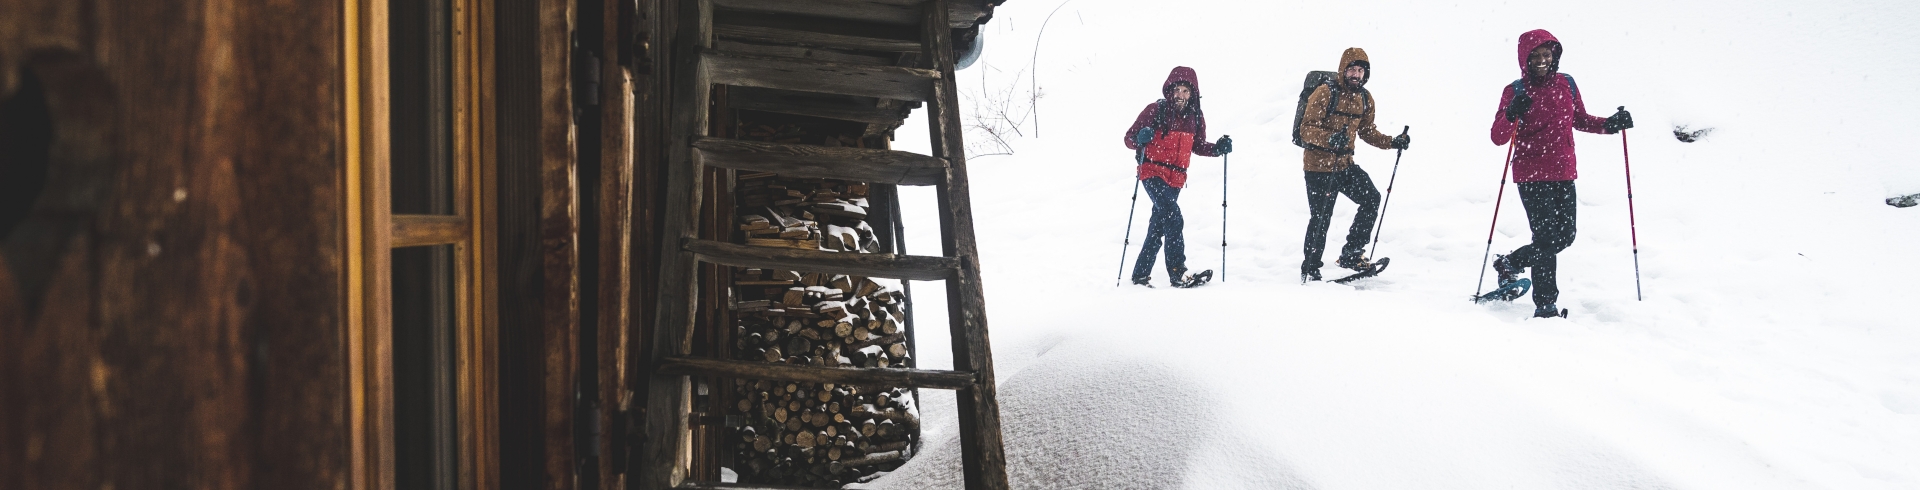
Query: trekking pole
[(1504, 167), (1389, 198), (1632, 227), (1223, 216), (1128, 240)]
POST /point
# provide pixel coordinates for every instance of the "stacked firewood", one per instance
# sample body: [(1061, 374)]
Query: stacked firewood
[(802, 433), (820, 435), (815, 434), (810, 214)]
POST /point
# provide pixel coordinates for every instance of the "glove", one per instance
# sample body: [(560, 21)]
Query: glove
[(1400, 142), (1619, 120), (1518, 107), (1224, 145), (1143, 137), (1340, 141)]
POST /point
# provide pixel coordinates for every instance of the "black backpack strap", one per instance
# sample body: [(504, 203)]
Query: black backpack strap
[(1575, 87)]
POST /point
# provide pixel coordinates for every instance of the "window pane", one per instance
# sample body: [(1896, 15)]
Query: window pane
[(420, 47), (424, 368)]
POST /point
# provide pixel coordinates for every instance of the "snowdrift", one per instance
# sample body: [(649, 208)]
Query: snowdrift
[(1776, 347)]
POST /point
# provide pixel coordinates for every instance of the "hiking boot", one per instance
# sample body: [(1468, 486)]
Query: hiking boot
[(1506, 270), (1309, 275), (1549, 311), (1355, 263), (1143, 281)]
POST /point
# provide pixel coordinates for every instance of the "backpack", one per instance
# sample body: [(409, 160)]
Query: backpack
[(1314, 80), (1520, 88)]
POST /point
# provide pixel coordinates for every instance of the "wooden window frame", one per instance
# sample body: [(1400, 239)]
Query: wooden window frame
[(372, 231)]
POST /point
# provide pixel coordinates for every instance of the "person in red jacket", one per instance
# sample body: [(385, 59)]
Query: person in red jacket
[(1537, 115), (1165, 136)]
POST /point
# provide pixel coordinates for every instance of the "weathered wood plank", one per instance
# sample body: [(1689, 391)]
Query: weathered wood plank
[(887, 82), (962, 14), (882, 11), (662, 463), (839, 107), (945, 380), (800, 52), (815, 39), (736, 486), (919, 268), (413, 230), (616, 240), (981, 443), (809, 161)]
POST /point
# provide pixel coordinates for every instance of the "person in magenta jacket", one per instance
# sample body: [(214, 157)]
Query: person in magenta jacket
[(1538, 114), (1165, 136)]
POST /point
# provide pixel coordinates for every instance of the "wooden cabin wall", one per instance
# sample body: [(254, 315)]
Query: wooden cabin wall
[(539, 229), (171, 314)]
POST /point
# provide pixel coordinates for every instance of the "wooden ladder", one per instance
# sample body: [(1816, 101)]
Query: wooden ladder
[(698, 66)]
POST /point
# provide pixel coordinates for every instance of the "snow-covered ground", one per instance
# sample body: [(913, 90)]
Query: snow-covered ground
[(1778, 345)]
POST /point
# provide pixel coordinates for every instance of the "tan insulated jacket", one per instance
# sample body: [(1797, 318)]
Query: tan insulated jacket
[(1353, 113)]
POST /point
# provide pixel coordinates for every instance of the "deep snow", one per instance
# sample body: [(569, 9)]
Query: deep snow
[(1777, 346)]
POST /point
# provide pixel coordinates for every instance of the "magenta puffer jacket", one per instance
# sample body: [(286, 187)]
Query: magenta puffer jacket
[(1543, 150)]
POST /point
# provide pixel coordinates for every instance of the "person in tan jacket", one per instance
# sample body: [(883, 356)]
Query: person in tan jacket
[(1336, 115)]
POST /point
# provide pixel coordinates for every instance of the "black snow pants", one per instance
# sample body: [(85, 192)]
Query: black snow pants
[(1323, 189), (1550, 214), (1166, 225)]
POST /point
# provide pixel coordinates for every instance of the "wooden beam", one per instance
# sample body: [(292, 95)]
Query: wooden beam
[(887, 82), (882, 11), (663, 461), (800, 52), (616, 240), (736, 486), (821, 162), (414, 230), (841, 107), (944, 380), (815, 39), (982, 452), (912, 267), (963, 14)]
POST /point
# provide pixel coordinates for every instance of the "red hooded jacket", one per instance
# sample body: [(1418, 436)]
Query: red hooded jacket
[(1177, 134), (1544, 149)]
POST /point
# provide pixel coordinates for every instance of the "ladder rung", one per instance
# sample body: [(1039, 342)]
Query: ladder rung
[(909, 267), (821, 162), (905, 12), (829, 106), (904, 378), (735, 486), (961, 15), (815, 39), (886, 82)]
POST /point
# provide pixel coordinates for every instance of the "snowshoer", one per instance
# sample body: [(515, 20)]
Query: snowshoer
[(1336, 115), (1166, 134), (1537, 115)]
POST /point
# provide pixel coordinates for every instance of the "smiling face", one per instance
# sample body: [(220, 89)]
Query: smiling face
[(1181, 94), (1541, 61), (1356, 75)]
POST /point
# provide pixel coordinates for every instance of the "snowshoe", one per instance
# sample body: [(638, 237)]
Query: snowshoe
[(1193, 280), (1371, 270), (1143, 281), (1309, 275), (1507, 292), (1549, 312)]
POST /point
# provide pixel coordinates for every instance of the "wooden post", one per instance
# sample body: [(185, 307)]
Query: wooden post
[(981, 450), (616, 232), (663, 462)]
